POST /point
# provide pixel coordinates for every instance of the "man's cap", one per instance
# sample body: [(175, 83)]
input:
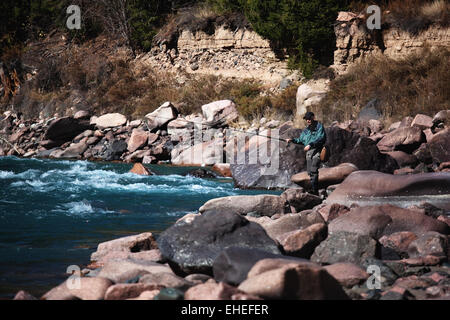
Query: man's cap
[(308, 116)]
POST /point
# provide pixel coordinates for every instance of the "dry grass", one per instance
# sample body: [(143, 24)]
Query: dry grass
[(416, 84), (415, 16)]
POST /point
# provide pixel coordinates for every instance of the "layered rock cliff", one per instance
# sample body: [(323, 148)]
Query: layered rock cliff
[(240, 53), (355, 41)]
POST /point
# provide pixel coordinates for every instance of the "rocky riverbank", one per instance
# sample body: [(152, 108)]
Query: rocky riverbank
[(292, 246)]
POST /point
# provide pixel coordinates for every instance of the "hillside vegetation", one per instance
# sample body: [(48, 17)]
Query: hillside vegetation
[(85, 71)]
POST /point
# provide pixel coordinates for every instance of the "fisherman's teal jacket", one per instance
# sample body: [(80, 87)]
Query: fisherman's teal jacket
[(314, 136)]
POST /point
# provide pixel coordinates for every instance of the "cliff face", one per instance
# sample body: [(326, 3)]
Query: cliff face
[(240, 53), (354, 41)]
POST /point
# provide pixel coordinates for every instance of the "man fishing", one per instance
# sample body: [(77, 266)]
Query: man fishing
[(313, 138)]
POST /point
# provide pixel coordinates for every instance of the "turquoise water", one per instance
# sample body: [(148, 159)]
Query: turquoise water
[(53, 213)]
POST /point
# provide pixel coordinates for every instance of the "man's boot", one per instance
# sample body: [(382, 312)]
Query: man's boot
[(314, 184)]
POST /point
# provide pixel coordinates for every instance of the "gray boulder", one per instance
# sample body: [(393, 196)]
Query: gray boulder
[(345, 247), (193, 247)]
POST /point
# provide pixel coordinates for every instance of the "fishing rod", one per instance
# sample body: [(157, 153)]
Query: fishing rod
[(212, 124)]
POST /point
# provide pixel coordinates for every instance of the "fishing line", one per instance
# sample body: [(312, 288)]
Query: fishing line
[(211, 125)]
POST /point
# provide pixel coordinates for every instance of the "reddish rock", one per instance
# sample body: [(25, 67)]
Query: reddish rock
[(15, 137), (123, 270), (139, 169), (138, 156), (362, 186), (87, 289), (146, 295), (152, 138), (330, 212), (134, 243), (265, 205), (211, 290), (223, 169), (301, 243), (411, 220), (404, 171), (398, 241), (348, 274), (286, 223), (430, 243), (438, 146), (423, 261), (369, 221), (403, 159), (137, 140), (293, 281), (327, 176), (167, 280), (299, 200), (422, 121), (123, 291), (75, 150), (444, 219), (23, 295), (403, 138), (412, 282), (153, 255)]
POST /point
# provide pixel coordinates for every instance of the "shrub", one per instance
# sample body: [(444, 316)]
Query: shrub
[(416, 84)]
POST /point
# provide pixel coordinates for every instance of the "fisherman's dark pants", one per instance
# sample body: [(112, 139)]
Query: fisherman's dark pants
[(312, 166)]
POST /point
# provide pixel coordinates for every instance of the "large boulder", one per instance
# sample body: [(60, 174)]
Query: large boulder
[(405, 139), (403, 159), (298, 200), (348, 274), (345, 247), (193, 247), (87, 289), (301, 243), (233, 264), (350, 147), (141, 170), (422, 121), (287, 223), (138, 139), (368, 221), (291, 280), (65, 129), (124, 270), (75, 150), (133, 243), (206, 153), (264, 205), (115, 150), (309, 94), (219, 113), (285, 160), (264, 162), (327, 176), (442, 117), (438, 146), (368, 187), (161, 116), (110, 120)]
